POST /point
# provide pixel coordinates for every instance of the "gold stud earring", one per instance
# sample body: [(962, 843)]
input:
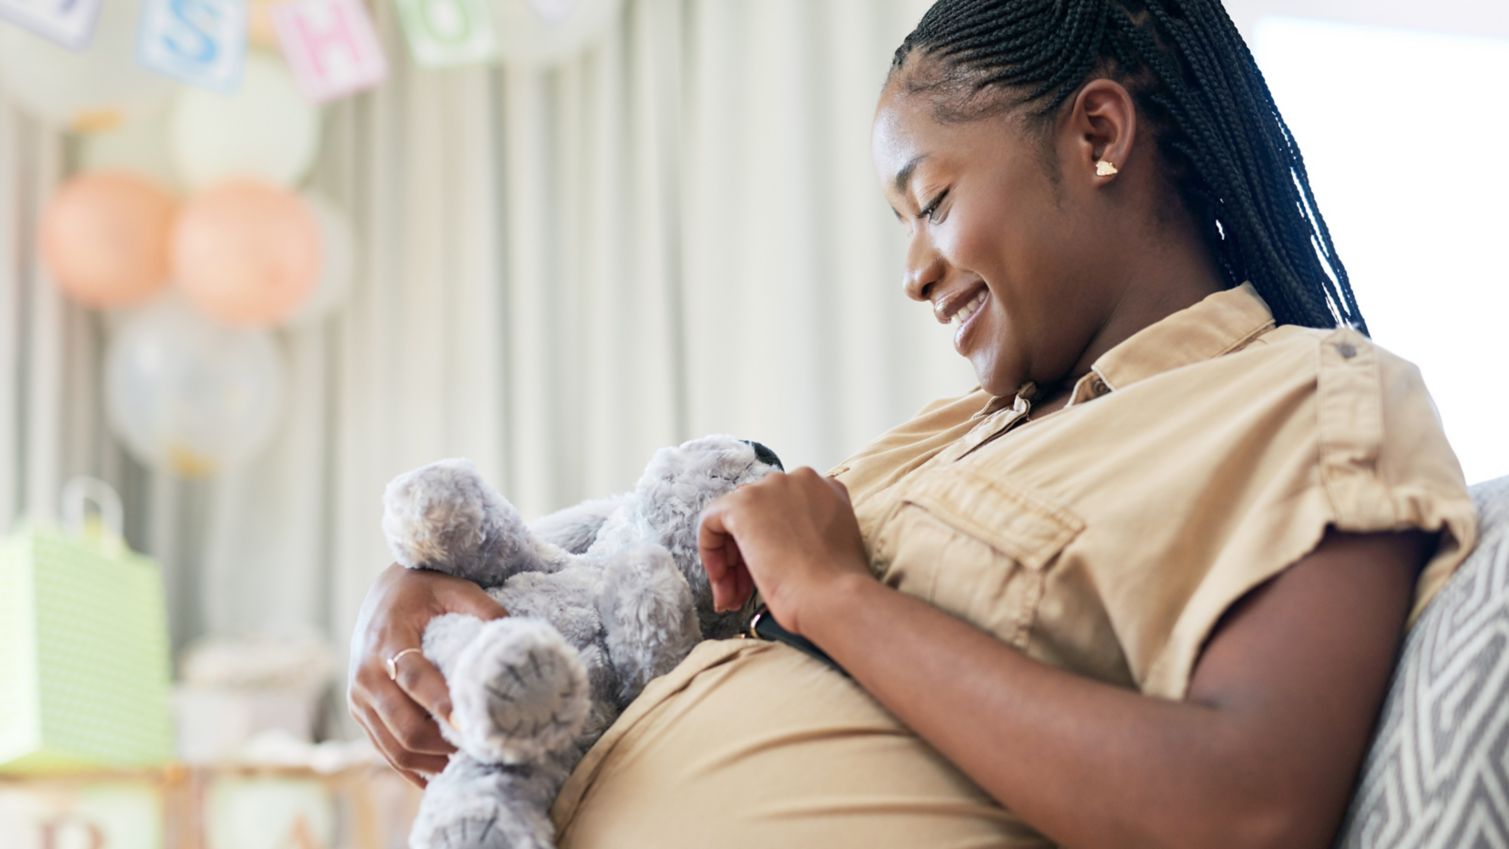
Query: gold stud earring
[(1105, 169)]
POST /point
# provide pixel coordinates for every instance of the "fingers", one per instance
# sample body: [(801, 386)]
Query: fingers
[(423, 683), (413, 767), (839, 487), (726, 574), (409, 726), (395, 711), (744, 588), (466, 597)]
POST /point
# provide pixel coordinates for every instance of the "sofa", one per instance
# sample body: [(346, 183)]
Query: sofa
[(1437, 775)]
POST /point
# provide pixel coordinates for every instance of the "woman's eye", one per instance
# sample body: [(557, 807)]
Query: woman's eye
[(932, 209)]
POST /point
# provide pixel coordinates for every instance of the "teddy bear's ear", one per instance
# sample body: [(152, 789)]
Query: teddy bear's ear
[(764, 455)]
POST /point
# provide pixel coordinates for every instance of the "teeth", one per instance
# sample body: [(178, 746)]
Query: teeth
[(969, 309)]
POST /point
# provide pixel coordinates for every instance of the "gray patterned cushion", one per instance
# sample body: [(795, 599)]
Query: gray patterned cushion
[(1438, 772)]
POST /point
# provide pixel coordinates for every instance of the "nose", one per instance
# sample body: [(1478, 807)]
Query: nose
[(924, 268), (765, 455)]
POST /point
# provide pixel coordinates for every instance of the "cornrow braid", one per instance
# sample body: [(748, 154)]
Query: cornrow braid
[(1230, 156)]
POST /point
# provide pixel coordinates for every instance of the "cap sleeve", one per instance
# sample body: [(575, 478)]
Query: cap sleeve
[(1379, 461)]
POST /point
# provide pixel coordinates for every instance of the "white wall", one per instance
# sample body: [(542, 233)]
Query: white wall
[(1395, 108), (1460, 17)]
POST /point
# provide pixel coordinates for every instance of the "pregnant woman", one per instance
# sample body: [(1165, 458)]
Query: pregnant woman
[(1143, 587)]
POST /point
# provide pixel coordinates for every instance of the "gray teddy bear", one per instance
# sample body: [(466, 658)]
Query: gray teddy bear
[(603, 597)]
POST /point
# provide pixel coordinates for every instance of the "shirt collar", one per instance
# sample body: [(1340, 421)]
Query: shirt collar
[(1220, 323)]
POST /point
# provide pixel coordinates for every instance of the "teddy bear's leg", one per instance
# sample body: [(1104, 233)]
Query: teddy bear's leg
[(518, 691), (575, 528), (447, 518), (475, 806), (649, 618)]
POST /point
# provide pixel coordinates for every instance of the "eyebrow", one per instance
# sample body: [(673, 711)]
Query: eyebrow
[(904, 176)]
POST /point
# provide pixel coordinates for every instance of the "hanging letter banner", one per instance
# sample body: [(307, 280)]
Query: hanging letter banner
[(68, 22), (199, 41), (449, 32), (331, 46)]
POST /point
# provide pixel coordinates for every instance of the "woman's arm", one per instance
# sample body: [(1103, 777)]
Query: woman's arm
[(1263, 753)]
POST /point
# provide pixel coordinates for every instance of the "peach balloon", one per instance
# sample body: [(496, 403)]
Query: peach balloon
[(247, 252), (104, 237)]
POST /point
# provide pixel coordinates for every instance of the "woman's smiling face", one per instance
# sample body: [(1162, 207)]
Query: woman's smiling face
[(994, 242)]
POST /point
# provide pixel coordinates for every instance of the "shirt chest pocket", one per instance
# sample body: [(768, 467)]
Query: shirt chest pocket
[(978, 548)]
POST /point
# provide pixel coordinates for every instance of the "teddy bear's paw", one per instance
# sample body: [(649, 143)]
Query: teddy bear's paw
[(483, 826), (437, 514), (485, 833), (519, 691)]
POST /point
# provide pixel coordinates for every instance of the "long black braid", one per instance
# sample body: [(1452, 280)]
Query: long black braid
[(1229, 154)]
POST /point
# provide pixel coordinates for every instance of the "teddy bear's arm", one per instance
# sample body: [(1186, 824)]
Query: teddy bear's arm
[(649, 617), (447, 518), (575, 528)]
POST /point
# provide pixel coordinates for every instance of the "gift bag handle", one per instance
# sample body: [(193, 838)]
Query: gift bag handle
[(82, 492)]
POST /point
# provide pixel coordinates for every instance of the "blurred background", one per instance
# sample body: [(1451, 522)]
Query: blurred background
[(258, 258)]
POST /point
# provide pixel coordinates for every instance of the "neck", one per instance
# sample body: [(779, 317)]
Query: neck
[(1174, 271)]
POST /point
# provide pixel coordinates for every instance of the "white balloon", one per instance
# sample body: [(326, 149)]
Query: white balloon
[(542, 32), (337, 263), (89, 90), (188, 396), (140, 146), (264, 129)]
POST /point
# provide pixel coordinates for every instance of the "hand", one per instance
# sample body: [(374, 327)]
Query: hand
[(793, 536), (399, 715)]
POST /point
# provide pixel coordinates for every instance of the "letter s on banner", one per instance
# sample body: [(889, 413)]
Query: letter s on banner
[(332, 47), (199, 41)]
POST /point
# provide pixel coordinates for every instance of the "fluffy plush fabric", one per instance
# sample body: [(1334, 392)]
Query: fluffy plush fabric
[(603, 597)]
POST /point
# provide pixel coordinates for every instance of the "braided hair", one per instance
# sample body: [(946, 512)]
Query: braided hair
[(1228, 153)]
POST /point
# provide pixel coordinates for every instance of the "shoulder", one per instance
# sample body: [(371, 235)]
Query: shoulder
[(1359, 409), (1377, 431), (1299, 432), (1335, 361), (1306, 353)]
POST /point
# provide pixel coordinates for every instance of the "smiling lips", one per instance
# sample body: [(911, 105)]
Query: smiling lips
[(957, 309)]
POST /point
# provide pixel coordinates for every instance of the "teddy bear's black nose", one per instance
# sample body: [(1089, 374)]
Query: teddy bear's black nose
[(765, 455)]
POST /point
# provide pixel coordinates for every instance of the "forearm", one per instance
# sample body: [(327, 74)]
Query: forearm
[(1088, 763)]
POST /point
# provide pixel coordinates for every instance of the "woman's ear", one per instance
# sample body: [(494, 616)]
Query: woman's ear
[(1102, 128)]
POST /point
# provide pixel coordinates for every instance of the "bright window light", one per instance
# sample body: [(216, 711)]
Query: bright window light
[(1406, 140)]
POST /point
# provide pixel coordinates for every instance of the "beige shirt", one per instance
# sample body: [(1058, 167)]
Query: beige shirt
[(1197, 459)]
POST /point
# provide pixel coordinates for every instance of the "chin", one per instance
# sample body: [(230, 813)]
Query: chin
[(998, 385)]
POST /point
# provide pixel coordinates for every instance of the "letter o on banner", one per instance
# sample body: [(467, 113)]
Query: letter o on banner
[(449, 32)]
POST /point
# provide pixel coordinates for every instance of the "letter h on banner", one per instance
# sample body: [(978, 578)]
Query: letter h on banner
[(331, 45)]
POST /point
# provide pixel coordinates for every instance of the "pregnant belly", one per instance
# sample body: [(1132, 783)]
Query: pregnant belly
[(753, 744)]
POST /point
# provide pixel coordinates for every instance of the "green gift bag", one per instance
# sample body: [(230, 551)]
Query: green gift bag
[(84, 668)]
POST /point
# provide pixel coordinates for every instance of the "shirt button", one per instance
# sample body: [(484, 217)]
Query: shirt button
[(1347, 350)]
